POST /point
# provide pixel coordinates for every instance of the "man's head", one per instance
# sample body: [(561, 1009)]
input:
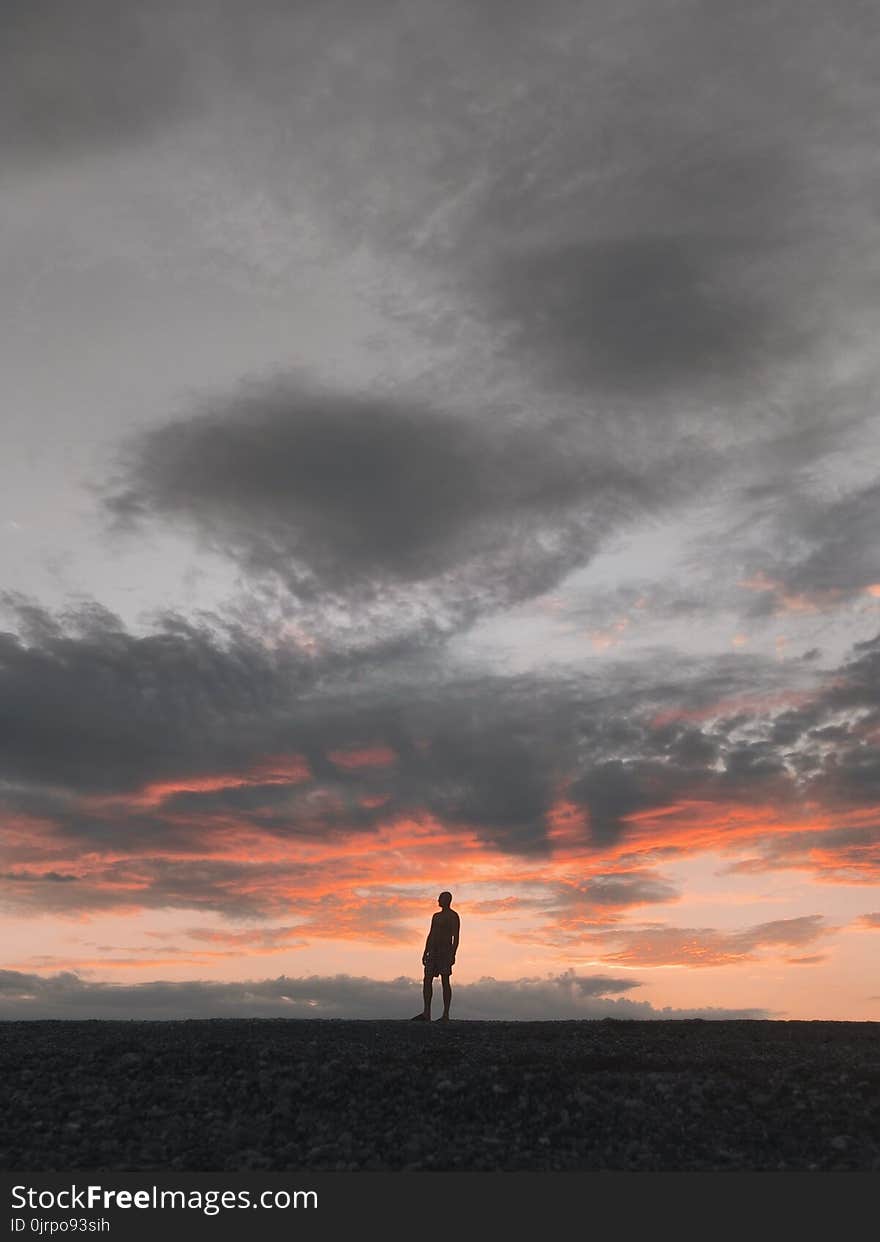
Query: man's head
[(445, 900)]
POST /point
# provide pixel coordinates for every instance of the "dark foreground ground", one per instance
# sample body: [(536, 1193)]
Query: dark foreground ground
[(235, 1094)]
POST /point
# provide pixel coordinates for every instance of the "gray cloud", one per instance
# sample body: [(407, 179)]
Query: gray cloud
[(348, 487), (372, 524), (649, 206), (93, 716), (828, 550), (87, 705), (610, 791), (359, 503), (89, 76), (632, 213), (618, 264), (145, 880), (626, 888), (632, 315), (567, 995)]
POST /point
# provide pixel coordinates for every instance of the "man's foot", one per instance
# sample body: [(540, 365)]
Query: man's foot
[(420, 1017), (445, 1018)]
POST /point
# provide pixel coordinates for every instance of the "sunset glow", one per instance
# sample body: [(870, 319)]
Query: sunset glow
[(441, 462)]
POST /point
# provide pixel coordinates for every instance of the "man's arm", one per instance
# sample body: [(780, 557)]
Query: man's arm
[(428, 940), (456, 932)]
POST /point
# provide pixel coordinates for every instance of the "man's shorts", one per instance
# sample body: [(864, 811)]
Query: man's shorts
[(438, 962)]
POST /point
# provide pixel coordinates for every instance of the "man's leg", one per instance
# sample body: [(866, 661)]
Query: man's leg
[(428, 995), (447, 996)]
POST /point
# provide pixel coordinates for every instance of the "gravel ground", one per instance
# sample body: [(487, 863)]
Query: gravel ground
[(233, 1094)]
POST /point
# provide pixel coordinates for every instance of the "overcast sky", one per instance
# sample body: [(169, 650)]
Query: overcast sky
[(440, 452)]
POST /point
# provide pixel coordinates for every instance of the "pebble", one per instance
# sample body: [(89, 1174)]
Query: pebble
[(232, 1094)]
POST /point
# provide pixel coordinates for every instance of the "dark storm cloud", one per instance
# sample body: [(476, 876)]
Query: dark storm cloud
[(610, 791), (841, 557), (487, 766), (633, 208), (632, 315), (92, 715), (344, 488), (90, 75), (90, 707), (806, 549), (92, 712), (604, 184), (103, 712), (641, 201), (567, 995), (374, 508), (496, 753), (85, 705), (838, 740), (658, 207)]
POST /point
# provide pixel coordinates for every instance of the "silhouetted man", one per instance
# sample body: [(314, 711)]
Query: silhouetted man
[(439, 956)]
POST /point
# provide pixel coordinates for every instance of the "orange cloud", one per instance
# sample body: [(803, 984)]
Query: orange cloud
[(332, 877), (281, 770), (610, 637), (792, 601), (868, 922), (368, 757), (696, 947)]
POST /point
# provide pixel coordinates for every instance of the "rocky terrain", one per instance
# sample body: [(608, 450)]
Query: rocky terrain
[(333, 1095)]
